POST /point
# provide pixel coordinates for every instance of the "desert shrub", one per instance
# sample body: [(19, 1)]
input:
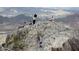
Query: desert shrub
[(17, 39)]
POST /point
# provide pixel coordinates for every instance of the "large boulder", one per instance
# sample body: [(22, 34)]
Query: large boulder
[(42, 36)]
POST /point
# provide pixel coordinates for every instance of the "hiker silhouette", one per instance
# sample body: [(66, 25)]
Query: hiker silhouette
[(34, 20)]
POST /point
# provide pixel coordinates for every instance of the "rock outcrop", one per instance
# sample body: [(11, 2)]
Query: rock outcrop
[(43, 36)]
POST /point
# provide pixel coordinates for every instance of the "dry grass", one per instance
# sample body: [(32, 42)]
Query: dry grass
[(2, 38)]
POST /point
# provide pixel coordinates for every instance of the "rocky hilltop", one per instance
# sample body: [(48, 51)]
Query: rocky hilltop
[(43, 36)]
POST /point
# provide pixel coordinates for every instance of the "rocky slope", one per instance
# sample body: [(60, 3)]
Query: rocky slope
[(43, 36)]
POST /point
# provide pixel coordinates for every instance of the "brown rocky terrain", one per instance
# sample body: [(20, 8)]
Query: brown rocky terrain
[(43, 36)]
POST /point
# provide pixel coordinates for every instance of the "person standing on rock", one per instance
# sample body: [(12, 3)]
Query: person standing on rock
[(52, 19), (34, 19)]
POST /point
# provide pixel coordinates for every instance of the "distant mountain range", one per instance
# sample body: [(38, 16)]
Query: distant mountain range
[(17, 19), (22, 14)]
